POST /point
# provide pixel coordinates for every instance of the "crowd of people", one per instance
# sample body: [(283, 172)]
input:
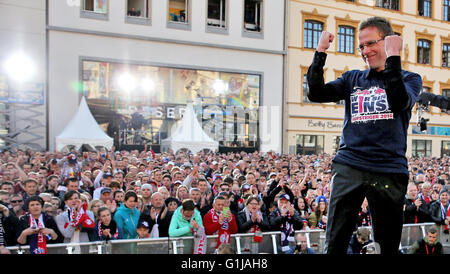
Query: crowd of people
[(55, 197)]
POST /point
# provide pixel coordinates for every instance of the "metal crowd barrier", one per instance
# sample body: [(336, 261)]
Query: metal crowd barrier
[(242, 243)]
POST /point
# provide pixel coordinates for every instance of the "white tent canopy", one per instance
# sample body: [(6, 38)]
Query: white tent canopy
[(83, 130), (189, 135)]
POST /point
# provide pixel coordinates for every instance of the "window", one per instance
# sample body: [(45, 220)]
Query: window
[(312, 32), (424, 8), (305, 89), (388, 4), (178, 11), (446, 11), (346, 39), (336, 141), (423, 52), (217, 13), (253, 15), (309, 144), (446, 55), (445, 148), (446, 93), (421, 148), (138, 8), (97, 6)]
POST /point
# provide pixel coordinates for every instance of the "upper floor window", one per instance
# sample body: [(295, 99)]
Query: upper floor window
[(97, 6), (138, 8), (446, 55), (389, 4), (217, 13), (346, 39), (424, 8), (446, 11), (178, 11), (423, 52), (253, 15), (312, 32)]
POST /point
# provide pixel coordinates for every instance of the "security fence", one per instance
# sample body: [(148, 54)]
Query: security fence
[(242, 243)]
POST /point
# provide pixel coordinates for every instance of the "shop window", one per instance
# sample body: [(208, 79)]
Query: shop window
[(346, 39), (421, 148), (217, 13), (253, 15), (424, 8), (423, 52), (309, 144), (445, 148), (312, 32)]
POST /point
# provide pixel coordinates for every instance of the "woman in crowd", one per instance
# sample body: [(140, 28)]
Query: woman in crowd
[(317, 219), (94, 205), (106, 228), (127, 215)]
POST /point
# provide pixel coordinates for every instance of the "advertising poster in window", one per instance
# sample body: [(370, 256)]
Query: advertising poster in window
[(101, 6)]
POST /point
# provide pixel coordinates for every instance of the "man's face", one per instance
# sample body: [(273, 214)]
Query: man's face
[(412, 192), (301, 240), (157, 201), (142, 232), (106, 196), (73, 185), (73, 201), (218, 205), (26, 168), (195, 195), (8, 188), (431, 237), (283, 203), (35, 208), (158, 176), (202, 185), (31, 188), (374, 56)]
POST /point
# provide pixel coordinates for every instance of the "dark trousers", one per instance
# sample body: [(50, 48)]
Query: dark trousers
[(385, 193)]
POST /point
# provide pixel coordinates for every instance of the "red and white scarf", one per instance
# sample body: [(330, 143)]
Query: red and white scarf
[(224, 230), (258, 236), (82, 218), (39, 245), (445, 215)]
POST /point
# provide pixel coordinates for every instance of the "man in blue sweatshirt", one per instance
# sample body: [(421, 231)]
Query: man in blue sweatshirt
[(371, 159)]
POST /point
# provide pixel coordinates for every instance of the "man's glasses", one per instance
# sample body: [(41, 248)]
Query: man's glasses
[(369, 44), (16, 201)]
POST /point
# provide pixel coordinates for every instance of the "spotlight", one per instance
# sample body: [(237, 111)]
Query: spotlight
[(19, 67)]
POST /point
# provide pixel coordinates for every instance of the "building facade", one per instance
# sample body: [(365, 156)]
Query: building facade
[(139, 62), (425, 28)]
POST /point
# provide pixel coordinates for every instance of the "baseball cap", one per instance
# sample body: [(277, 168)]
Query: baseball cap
[(217, 176), (272, 174), (215, 163), (147, 186), (171, 163), (178, 182), (321, 198), (246, 187), (143, 224), (106, 175), (285, 196), (105, 190)]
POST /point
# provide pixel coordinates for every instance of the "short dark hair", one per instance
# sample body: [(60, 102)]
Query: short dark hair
[(382, 24), (188, 205), (117, 191), (70, 193), (220, 197), (70, 179), (30, 181), (101, 209), (129, 194), (251, 198), (433, 229), (34, 198)]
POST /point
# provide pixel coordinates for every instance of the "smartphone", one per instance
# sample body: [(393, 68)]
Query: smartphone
[(226, 211)]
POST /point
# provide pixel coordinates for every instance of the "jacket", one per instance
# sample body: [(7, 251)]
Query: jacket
[(245, 226), (435, 213), (412, 212), (180, 227), (127, 219), (49, 222), (163, 224), (276, 221), (62, 220), (377, 113)]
